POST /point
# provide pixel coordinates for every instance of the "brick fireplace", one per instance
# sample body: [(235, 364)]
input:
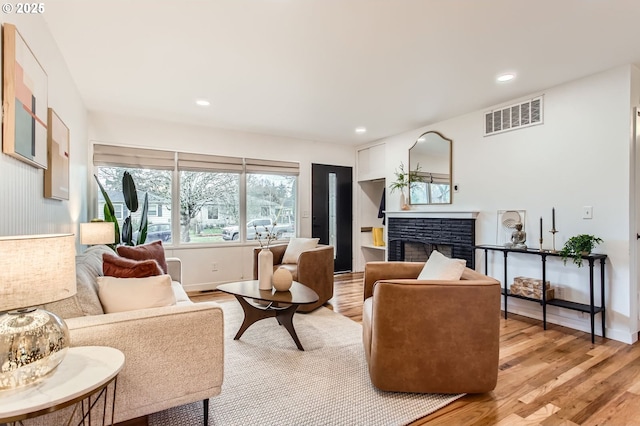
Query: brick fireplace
[(413, 235)]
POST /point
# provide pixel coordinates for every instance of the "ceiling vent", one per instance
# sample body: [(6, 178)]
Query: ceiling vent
[(513, 117)]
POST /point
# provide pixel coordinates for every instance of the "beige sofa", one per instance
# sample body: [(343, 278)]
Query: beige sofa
[(173, 355)]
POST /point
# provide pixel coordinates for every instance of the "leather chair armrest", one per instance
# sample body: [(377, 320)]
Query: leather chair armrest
[(316, 265), (376, 271)]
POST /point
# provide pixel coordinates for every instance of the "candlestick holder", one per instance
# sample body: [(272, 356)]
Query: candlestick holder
[(541, 249), (553, 240)]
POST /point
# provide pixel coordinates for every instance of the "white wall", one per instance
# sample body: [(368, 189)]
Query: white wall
[(579, 157), (235, 261), (23, 208)]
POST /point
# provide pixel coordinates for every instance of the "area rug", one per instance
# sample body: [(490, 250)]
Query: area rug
[(268, 381)]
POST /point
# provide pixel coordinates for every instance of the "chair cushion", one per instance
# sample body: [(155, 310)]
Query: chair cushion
[(129, 294), (152, 250), (296, 247), (440, 267), (121, 267)]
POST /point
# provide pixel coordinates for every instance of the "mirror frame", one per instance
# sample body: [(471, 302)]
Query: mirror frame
[(450, 141)]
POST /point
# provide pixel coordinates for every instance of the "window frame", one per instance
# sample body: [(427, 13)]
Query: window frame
[(177, 161)]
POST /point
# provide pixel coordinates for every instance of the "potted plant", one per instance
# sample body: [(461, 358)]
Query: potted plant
[(403, 180), (131, 201), (578, 246)]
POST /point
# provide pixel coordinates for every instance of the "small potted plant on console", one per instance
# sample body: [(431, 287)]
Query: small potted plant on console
[(578, 246)]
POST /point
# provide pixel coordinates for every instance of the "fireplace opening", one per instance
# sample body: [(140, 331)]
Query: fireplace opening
[(420, 252)]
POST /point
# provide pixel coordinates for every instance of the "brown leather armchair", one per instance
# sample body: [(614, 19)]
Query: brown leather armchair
[(313, 269), (430, 336)]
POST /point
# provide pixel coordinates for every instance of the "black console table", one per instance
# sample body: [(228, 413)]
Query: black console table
[(591, 309)]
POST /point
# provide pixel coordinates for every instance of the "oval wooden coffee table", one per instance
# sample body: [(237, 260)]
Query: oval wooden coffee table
[(246, 291)]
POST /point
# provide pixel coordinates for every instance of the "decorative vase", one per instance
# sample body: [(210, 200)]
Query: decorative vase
[(403, 202), (282, 279), (265, 269)]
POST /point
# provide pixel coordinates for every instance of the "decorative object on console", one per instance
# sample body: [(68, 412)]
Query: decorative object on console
[(531, 287), (97, 232), (131, 201), (24, 130), (56, 176), (265, 269), (553, 230), (34, 270), (506, 226), (518, 238), (578, 246), (282, 279), (541, 238)]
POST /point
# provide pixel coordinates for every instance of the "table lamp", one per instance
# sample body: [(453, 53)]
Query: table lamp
[(97, 232), (34, 270)]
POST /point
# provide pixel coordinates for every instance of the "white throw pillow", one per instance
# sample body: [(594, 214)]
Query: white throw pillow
[(297, 246), (130, 294), (440, 267)]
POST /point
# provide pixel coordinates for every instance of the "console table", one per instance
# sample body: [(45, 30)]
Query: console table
[(591, 259)]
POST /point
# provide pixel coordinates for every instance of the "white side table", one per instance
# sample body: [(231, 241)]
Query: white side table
[(84, 372)]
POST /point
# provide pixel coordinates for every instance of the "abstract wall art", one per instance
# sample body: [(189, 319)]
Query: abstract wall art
[(24, 128), (56, 176)]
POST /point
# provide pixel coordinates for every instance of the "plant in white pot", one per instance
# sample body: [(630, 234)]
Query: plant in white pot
[(404, 180), (578, 246)]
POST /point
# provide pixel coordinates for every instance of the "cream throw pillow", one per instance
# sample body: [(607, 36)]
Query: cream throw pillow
[(440, 267), (296, 247), (130, 294)]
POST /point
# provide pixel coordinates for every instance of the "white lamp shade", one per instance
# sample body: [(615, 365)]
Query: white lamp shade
[(36, 269), (97, 233)]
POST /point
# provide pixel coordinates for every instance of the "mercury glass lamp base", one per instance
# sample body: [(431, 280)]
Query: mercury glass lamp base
[(33, 343)]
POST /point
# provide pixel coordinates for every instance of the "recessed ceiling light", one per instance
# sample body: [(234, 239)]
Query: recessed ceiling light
[(506, 77), (202, 102), (361, 130)]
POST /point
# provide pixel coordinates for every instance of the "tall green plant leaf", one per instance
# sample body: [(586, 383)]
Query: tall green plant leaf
[(129, 192), (109, 211), (127, 231), (142, 231)]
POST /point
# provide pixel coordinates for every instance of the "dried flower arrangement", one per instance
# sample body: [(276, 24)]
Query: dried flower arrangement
[(269, 236)]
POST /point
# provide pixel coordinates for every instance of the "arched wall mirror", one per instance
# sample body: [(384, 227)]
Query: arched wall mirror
[(430, 169)]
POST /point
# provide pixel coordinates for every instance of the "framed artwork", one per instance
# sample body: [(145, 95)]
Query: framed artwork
[(56, 176), (24, 128)]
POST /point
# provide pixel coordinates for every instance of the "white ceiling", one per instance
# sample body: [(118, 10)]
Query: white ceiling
[(316, 69)]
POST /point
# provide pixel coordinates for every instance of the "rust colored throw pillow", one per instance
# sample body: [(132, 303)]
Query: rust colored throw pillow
[(152, 250), (121, 267)]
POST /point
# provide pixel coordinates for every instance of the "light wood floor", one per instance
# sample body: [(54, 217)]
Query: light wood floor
[(546, 377)]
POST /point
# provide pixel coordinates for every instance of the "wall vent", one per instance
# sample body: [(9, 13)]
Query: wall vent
[(513, 117)]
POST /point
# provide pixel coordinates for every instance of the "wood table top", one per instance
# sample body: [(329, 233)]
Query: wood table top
[(298, 294)]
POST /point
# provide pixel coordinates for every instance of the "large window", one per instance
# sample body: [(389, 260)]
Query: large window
[(198, 191), (213, 199)]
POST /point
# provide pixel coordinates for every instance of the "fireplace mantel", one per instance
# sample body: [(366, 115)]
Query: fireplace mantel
[(432, 215)]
